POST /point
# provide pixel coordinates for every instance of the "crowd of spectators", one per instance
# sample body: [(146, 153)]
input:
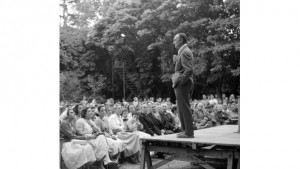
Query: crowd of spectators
[(107, 134)]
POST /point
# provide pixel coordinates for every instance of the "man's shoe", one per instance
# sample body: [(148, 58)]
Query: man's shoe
[(184, 136)]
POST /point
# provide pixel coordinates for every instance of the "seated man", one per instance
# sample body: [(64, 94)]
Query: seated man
[(159, 120), (221, 116), (200, 117), (84, 101), (148, 126), (212, 100), (175, 116), (135, 101), (204, 100), (232, 111), (223, 97), (231, 99), (168, 120), (210, 114)]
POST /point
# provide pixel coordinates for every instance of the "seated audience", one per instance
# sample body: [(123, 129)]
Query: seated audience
[(106, 133)]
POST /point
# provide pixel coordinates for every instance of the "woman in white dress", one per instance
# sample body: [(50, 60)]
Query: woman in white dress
[(86, 127), (112, 140), (130, 140), (134, 125), (74, 153)]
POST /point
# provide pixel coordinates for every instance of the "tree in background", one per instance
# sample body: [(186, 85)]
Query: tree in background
[(149, 26), (82, 72)]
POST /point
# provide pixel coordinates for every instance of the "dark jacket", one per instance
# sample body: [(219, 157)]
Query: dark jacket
[(184, 64), (168, 121), (149, 127), (158, 123)]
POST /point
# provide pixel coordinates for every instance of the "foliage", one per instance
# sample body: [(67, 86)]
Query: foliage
[(80, 65), (69, 86), (212, 27)]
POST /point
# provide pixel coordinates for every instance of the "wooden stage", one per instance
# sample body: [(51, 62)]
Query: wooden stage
[(220, 142)]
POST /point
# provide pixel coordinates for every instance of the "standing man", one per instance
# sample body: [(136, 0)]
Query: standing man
[(183, 84)]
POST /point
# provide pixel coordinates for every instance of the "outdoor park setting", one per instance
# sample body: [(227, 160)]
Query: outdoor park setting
[(120, 102)]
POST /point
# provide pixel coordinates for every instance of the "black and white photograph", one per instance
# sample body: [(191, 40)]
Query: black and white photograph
[(149, 84)]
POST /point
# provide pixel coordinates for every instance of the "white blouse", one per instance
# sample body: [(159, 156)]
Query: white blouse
[(116, 122)]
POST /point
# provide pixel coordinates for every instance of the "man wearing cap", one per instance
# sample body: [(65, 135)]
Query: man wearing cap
[(183, 84)]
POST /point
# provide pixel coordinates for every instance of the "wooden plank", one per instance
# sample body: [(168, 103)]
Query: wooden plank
[(194, 146), (230, 161), (209, 147), (148, 159), (142, 166), (203, 164), (220, 135), (161, 163), (186, 154)]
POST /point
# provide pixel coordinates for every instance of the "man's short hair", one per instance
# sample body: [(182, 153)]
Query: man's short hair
[(183, 37)]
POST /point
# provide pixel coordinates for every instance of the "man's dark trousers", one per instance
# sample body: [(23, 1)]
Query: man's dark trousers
[(183, 95)]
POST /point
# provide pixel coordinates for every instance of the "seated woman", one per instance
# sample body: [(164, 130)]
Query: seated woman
[(77, 110), (131, 109), (125, 115), (232, 111), (74, 154), (134, 125), (210, 114), (63, 115), (109, 111), (130, 140), (86, 127), (112, 140)]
